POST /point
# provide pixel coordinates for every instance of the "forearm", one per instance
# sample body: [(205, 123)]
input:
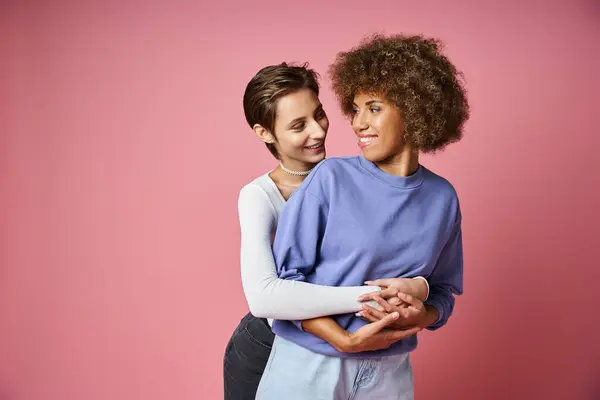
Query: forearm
[(327, 329), (271, 297)]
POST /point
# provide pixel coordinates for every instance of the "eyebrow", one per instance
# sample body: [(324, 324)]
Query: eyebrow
[(299, 119), (368, 103)]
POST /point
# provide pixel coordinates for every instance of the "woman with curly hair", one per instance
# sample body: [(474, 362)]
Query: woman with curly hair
[(282, 107), (381, 214)]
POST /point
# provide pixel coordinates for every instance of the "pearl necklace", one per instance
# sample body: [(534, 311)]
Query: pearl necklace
[(297, 173)]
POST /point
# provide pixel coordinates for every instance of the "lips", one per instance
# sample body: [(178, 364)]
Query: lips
[(364, 141), (317, 147)]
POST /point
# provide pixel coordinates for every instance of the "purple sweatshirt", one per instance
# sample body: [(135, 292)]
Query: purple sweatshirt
[(350, 222)]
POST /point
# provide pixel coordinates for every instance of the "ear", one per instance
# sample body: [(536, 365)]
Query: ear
[(263, 134)]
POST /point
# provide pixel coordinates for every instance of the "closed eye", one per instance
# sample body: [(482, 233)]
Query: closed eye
[(299, 127)]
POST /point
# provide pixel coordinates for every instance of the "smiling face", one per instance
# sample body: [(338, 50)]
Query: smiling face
[(300, 128), (379, 126)]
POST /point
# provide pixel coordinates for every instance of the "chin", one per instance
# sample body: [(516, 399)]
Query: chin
[(372, 156), (317, 157)]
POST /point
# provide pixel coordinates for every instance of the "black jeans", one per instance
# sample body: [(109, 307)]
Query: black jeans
[(245, 358)]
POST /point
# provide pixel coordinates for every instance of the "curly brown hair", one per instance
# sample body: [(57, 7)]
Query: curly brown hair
[(411, 72)]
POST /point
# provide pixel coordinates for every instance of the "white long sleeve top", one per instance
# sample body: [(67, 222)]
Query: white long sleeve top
[(268, 296)]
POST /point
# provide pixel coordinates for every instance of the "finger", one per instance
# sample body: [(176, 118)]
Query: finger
[(367, 317), (376, 304), (375, 312), (369, 296), (388, 293), (385, 293), (395, 335), (387, 307), (379, 282), (407, 298), (376, 327), (395, 301), (408, 313), (373, 304)]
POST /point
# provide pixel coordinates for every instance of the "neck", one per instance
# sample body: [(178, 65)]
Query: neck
[(404, 163), (297, 165), (294, 165)]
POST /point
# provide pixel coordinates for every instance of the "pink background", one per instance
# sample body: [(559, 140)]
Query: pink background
[(123, 147)]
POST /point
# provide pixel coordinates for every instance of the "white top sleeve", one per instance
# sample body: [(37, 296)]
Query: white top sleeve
[(267, 295)]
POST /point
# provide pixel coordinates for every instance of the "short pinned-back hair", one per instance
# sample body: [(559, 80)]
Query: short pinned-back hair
[(411, 72), (268, 86)]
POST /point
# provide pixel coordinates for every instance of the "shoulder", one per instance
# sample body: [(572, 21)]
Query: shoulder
[(439, 183), (334, 164), (257, 193), (329, 173), (443, 188)]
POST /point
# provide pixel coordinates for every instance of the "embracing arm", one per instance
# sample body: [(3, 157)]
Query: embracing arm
[(269, 296), (327, 329), (369, 337)]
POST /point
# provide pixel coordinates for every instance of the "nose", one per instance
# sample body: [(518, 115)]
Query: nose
[(318, 132), (359, 122)]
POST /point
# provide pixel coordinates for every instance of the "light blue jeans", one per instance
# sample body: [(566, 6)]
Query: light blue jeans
[(296, 373)]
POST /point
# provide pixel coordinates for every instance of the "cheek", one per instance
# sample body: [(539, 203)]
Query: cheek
[(294, 141), (353, 125), (393, 131)]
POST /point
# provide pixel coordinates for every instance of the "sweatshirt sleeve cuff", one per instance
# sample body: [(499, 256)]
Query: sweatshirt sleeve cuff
[(438, 306)]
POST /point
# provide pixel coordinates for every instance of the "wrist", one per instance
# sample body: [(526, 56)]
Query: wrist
[(345, 343), (431, 316), (421, 287)]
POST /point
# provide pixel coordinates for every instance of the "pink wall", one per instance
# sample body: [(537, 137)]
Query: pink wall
[(123, 147)]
